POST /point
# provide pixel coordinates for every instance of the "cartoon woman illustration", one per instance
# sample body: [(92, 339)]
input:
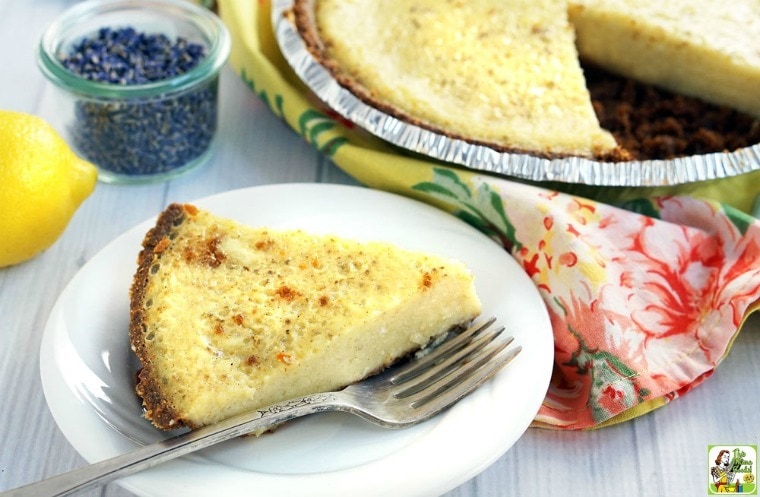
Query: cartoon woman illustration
[(721, 474)]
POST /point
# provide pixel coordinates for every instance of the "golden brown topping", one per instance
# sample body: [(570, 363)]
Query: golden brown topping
[(304, 264), (161, 246), (190, 209), (214, 252), (286, 293), (284, 358), (210, 253), (265, 244)]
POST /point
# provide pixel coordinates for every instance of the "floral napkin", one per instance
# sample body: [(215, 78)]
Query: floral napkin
[(645, 296)]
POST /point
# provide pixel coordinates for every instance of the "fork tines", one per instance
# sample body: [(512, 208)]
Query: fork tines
[(457, 366)]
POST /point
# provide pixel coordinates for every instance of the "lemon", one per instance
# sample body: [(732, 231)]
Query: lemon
[(42, 183)]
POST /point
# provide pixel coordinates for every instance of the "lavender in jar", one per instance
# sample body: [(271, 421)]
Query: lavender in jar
[(141, 135)]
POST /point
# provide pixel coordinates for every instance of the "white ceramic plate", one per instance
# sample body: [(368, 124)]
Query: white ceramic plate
[(88, 369)]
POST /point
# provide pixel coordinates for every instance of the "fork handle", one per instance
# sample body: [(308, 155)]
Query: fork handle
[(159, 452)]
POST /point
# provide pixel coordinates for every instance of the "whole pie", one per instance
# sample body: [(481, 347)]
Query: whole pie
[(514, 74)]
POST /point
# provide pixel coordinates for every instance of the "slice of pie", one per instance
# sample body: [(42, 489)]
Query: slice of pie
[(226, 318), (704, 49)]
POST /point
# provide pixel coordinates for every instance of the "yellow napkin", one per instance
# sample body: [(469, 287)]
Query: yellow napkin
[(645, 297)]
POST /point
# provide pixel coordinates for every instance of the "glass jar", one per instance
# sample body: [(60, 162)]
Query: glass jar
[(143, 132)]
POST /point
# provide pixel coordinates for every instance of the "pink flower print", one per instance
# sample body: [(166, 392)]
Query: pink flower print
[(669, 275), (612, 399), (568, 259)]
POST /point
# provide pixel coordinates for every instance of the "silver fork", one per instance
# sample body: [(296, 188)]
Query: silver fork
[(400, 396)]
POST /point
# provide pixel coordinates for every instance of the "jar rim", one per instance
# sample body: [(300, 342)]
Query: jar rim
[(206, 22)]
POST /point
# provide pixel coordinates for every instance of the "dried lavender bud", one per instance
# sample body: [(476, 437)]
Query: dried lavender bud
[(147, 137), (141, 136), (127, 57)]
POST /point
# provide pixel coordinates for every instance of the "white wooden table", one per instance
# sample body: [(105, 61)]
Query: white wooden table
[(663, 453)]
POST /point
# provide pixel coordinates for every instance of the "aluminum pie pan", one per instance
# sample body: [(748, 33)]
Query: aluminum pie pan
[(478, 157)]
